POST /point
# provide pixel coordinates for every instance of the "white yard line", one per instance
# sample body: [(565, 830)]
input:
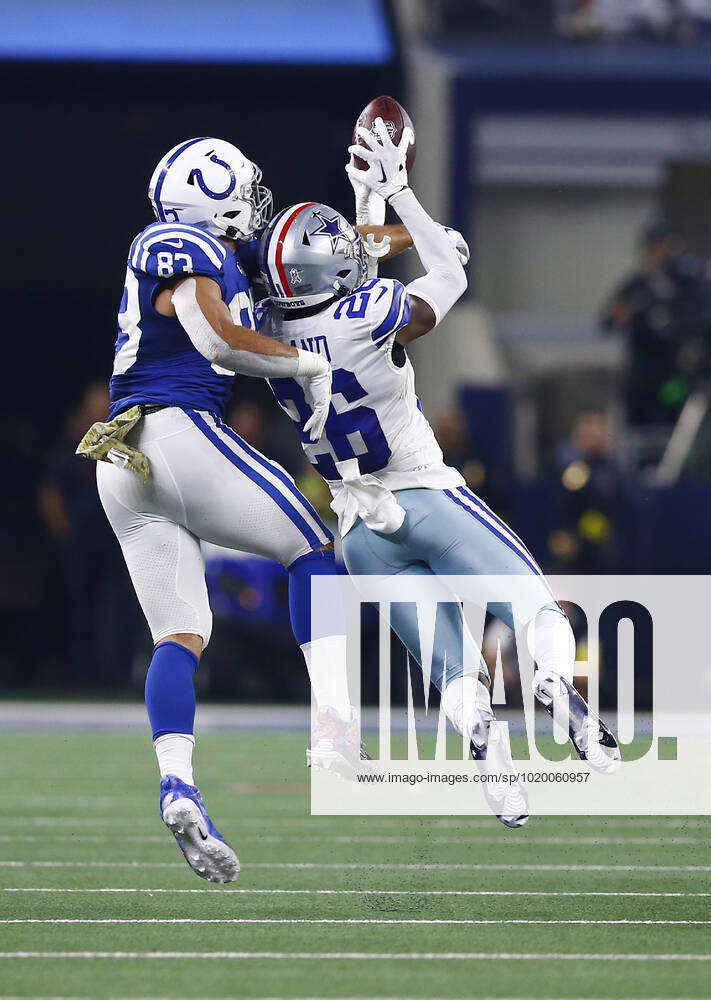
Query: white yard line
[(522, 841), (333, 920), (368, 866), (313, 822), (364, 892), (368, 956)]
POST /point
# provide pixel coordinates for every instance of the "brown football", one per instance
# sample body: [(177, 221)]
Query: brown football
[(395, 118)]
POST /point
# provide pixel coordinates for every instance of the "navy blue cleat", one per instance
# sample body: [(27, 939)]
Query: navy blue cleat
[(205, 849)]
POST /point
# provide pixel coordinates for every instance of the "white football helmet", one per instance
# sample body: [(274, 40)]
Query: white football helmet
[(210, 183)]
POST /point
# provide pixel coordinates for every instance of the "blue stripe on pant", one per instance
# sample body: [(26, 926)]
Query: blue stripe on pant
[(315, 536), (280, 474), (443, 536)]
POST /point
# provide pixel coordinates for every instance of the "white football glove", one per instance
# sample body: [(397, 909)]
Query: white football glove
[(315, 375), (386, 173), (459, 244)]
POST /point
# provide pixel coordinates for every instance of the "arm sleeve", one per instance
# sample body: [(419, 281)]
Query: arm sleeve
[(210, 344), (445, 280)]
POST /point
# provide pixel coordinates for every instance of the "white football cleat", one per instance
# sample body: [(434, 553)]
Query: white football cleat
[(506, 798), (591, 738)]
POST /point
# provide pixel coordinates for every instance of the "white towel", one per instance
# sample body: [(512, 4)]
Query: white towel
[(373, 502)]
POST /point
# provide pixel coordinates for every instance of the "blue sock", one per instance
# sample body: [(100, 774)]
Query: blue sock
[(170, 694), (321, 562)]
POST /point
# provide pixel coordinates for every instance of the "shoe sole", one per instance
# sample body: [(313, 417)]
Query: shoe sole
[(488, 765), (338, 764), (210, 858)]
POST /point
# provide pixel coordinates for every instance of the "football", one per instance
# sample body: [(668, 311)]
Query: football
[(395, 118)]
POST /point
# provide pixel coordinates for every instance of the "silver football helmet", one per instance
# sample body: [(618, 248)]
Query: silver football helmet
[(309, 254)]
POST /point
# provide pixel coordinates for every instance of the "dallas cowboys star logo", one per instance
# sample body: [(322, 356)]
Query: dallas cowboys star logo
[(332, 229)]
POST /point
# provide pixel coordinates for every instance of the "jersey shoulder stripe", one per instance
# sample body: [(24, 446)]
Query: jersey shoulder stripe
[(397, 303), (195, 250)]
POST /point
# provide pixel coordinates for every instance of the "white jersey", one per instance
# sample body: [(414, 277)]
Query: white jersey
[(376, 417)]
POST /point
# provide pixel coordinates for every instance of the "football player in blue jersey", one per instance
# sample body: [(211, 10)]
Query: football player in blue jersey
[(171, 472)]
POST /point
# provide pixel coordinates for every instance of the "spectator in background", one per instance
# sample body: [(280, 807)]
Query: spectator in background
[(663, 309), (589, 498), (454, 439), (101, 612), (460, 450)]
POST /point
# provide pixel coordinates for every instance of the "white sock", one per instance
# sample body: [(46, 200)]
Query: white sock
[(326, 664), (467, 705), (551, 643), (175, 755)]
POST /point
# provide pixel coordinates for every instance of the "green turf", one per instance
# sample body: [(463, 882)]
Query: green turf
[(93, 799)]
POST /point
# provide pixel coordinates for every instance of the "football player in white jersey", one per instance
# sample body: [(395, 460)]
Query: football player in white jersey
[(400, 508), (171, 472)]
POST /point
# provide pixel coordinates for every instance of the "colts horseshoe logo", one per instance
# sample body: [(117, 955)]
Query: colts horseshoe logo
[(196, 178)]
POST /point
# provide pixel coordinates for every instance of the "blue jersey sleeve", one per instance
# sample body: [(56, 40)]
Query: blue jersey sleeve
[(389, 310), (164, 251)]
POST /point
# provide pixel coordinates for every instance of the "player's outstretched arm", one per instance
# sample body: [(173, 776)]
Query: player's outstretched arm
[(399, 240), (398, 237), (207, 321), (445, 280), (434, 293)]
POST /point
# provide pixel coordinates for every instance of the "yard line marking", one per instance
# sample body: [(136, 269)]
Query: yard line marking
[(413, 839), (333, 920), (366, 865), (91, 864), (83, 838), (465, 824), (369, 892), (368, 955)]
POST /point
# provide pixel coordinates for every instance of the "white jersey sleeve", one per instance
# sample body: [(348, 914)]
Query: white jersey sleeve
[(382, 304)]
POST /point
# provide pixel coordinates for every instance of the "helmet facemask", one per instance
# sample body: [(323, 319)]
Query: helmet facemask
[(355, 251), (255, 205)]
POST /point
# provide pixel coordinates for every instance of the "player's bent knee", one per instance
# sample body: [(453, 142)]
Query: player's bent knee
[(195, 643)]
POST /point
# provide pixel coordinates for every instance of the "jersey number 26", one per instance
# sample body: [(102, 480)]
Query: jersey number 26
[(343, 429)]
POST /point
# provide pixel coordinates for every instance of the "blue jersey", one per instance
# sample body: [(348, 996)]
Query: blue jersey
[(155, 360)]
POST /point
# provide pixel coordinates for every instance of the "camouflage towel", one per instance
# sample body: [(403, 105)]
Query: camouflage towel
[(104, 442)]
